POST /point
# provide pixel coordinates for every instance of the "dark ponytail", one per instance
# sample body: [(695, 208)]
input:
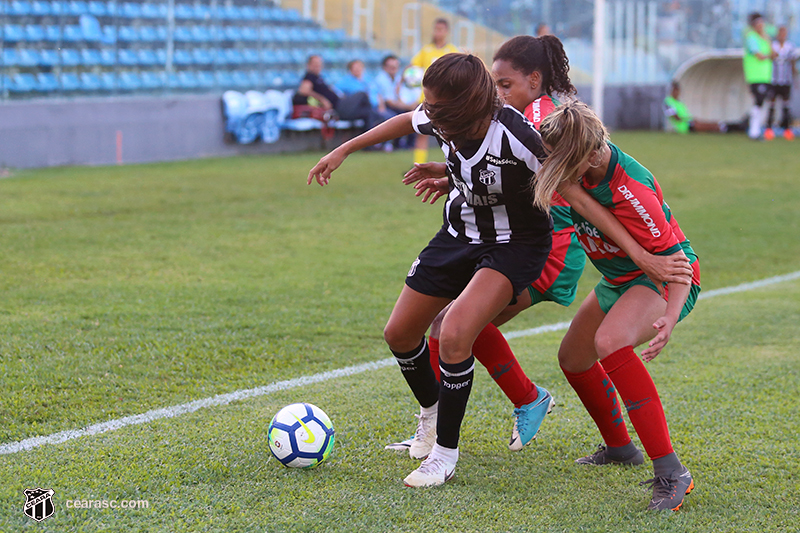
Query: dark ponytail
[(545, 54)]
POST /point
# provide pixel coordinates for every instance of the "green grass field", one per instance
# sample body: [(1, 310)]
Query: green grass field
[(126, 289)]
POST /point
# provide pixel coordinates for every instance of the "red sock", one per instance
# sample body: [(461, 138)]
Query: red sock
[(597, 393), (433, 347), (493, 351), (641, 399)]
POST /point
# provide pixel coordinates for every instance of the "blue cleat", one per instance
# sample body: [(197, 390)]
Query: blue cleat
[(529, 418)]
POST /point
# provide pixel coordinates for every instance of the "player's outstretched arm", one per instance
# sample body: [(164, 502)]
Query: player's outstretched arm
[(394, 128), (678, 293), (673, 268), (429, 179)]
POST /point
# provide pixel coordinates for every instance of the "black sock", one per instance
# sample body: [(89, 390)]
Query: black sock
[(453, 395), (667, 466), (416, 367), (771, 116), (786, 121)]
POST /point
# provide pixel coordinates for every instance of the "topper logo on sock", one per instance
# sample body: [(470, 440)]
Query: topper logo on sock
[(455, 386)]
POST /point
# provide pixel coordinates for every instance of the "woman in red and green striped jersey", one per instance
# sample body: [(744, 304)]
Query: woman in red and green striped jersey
[(626, 308)]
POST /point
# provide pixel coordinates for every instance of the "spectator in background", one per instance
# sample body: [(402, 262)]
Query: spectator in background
[(314, 91), (682, 120), (543, 29), (757, 63), (387, 84), (784, 68), (424, 59)]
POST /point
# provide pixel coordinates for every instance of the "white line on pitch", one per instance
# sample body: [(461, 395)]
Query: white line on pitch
[(224, 399)]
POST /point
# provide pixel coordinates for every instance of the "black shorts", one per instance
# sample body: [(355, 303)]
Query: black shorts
[(761, 91), (446, 266), (784, 91)]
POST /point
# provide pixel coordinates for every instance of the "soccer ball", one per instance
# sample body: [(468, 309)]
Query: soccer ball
[(301, 435), (412, 76)]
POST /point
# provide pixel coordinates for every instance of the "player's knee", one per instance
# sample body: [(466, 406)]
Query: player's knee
[(398, 339), (452, 348), (606, 343)]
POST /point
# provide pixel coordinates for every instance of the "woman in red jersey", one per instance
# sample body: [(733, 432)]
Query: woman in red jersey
[(626, 308)]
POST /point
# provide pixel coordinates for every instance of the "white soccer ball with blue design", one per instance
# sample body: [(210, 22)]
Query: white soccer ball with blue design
[(301, 435), (412, 76)]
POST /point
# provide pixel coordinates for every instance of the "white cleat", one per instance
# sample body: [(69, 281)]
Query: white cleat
[(424, 438), (432, 472)]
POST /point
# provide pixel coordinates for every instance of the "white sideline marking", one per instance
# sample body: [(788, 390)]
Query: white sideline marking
[(224, 399)]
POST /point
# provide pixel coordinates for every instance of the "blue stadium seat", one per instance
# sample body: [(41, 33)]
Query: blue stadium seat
[(282, 56), (90, 57), (182, 34), (108, 57), (233, 56), (48, 58), (187, 80), (232, 33), (182, 57), (172, 81), (128, 34), (109, 34), (91, 28), (29, 57), (129, 81), (248, 13), (22, 83), (200, 34), (291, 78), (249, 34), (161, 56), (90, 82), (131, 10), (13, 33), (19, 8), (154, 11), (205, 79), (46, 82), (184, 11), (40, 8), (231, 12), (295, 34), (11, 57), (99, 9), (127, 57), (59, 7), (77, 8), (280, 34), (148, 34), (310, 35), (161, 33), (266, 34), (51, 33), (70, 81), (202, 12), (223, 78), (70, 58), (147, 57), (268, 57), (250, 56), (153, 80), (240, 79), (292, 15), (108, 81), (34, 33), (264, 13), (201, 57), (298, 56), (73, 34)]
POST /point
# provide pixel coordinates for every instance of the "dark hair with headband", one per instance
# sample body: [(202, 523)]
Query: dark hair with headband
[(465, 95)]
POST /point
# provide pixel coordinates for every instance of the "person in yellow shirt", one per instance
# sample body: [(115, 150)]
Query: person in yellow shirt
[(429, 53)]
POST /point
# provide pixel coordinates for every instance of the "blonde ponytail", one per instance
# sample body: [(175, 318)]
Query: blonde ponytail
[(572, 131)]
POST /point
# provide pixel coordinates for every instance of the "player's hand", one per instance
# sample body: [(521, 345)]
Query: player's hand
[(422, 171), (664, 326), (322, 171), (662, 269), (432, 187)]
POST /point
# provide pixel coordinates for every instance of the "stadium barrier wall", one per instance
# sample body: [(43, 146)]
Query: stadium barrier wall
[(106, 131), (42, 133)]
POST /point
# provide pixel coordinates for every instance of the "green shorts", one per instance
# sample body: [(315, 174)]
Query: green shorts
[(608, 294)]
